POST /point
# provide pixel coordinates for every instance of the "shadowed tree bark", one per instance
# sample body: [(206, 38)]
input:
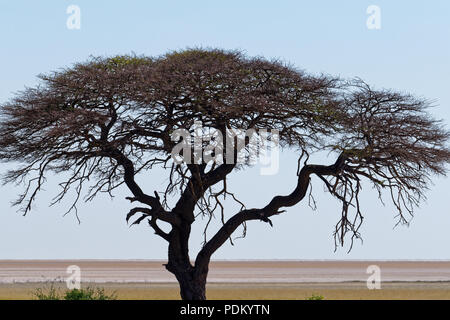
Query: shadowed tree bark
[(103, 122)]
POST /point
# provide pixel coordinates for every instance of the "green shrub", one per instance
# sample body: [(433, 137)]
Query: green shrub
[(52, 293), (88, 294), (315, 297)]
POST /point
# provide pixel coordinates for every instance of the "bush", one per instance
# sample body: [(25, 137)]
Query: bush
[(51, 293), (88, 294), (315, 297)]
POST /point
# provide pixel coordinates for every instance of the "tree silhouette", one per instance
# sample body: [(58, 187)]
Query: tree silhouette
[(103, 122)]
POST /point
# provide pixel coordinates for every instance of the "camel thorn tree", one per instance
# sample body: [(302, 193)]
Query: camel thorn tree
[(103, 122)]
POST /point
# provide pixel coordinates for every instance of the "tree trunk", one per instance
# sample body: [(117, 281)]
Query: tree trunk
[(192, 280), (192, 287)]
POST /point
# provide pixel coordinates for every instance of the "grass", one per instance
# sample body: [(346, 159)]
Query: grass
[(249, 291)]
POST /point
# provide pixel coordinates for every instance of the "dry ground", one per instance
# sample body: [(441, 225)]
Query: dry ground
[(355, 290), (238, 279)]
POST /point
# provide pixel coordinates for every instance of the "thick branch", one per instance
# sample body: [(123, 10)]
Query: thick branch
[(263, 214), (157, 214), (196, 187), (129, 173)]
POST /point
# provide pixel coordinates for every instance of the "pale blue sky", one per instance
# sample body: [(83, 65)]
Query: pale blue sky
[(410, 52)]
